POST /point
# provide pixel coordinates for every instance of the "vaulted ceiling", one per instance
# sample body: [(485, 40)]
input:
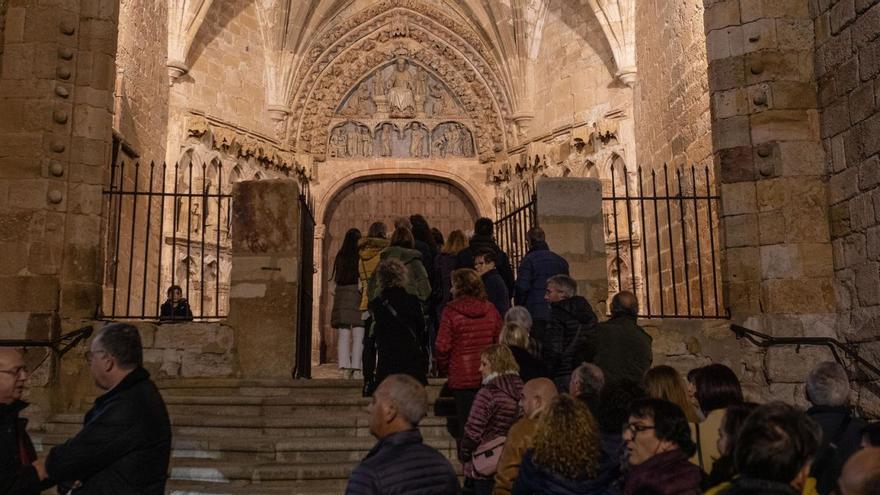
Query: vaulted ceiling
[(510, 32)]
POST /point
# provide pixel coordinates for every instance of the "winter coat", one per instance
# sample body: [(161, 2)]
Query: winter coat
[(669, 473), (620, 348), (369, 249), (531, 280), (570, 322), (845, 431), (468, 326), (17, 476), (175, 312), (428, 256), (494, 411), (444, 265), (496, 291), (536, 480), (124, 445), (465, 258), (346, 310), (417, 282), (530, 367), (396, 346), (520, 438), (747, 486), (401, 464)]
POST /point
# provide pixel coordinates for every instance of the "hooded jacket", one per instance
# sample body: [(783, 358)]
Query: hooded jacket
[(531, 281), (468, 326), (494, 411), (369, 249), (570, 321), (417, 282)]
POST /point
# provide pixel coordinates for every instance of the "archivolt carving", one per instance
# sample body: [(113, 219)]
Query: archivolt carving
[(376, 36)]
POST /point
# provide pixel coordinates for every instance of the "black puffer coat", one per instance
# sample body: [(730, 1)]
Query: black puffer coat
[(570, 321), (124, 445), (399, 339)]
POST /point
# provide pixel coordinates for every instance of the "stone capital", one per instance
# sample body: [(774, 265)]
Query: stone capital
[(176, 68), (627, 75)]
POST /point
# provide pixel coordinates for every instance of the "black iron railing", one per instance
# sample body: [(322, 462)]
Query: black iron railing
[(303, 365), (167, 226), (660, 230), (516, 212), (59, 346)]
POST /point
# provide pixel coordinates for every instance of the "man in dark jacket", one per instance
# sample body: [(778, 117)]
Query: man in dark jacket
[(828, 391), (531, 280), (496, 290), (125, 443), (17, 474), (571, 317), (400, 463), (619, 346), (484, 239)]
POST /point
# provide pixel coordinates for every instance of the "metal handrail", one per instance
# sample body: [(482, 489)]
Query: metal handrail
[(60, 345), (764, 340)]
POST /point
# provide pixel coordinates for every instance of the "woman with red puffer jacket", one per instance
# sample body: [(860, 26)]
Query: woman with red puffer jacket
[(469, 324)]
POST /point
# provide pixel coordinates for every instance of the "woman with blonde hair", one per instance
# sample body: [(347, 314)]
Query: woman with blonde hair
[(664, 382), (516, 337), (444, 264), (495, 410), (566, 454)]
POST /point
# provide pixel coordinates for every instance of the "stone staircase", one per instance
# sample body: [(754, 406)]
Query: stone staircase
[(263, 436)]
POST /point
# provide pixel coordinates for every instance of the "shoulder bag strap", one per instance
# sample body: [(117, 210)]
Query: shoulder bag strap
[(699, 448), (390, 308)]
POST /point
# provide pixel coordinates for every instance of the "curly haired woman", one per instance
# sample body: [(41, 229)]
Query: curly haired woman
[(565, 459)]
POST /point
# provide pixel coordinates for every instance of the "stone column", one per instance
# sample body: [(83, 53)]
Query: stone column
[(264, 291), (777, 256), (570, 212), (56, 95)]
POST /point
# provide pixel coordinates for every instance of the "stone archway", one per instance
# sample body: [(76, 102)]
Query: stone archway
[(373, 198)]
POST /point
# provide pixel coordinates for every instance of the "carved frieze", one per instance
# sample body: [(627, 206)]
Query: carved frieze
[(413, 139)]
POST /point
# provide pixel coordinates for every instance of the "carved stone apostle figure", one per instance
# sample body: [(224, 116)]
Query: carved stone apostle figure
[(359, 103), (337, 144), (453, 140), (366, 142), (439, 99), (385, 138), (400, 93), (417, 140)]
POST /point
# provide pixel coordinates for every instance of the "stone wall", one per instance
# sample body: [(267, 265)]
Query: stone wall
[(226, 78), (56, 91), (671, 101), (848, 73)]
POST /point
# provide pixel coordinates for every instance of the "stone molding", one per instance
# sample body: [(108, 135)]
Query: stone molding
[(359, 45), (185, 17), (618, 21)]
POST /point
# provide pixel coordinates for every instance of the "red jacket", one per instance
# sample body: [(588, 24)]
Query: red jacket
[(468, 326)]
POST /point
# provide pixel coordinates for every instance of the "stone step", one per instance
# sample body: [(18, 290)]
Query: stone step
[(310, 487)]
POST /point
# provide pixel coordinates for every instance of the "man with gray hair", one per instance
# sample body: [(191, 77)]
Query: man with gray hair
[(125, 443), (571, 319), (17, 474), (400, 463), (587, 381), (828, 390)]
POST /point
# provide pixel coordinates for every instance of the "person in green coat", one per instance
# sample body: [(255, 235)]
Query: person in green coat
[(402, 248)]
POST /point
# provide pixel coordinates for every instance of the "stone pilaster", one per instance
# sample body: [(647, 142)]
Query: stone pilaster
[(264, 282), (777, 257), (570, 212)]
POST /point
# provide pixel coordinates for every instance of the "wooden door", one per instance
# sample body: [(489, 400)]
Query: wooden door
[(362, 203)]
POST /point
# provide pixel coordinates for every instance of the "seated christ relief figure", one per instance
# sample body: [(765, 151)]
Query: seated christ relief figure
[(400, 92)]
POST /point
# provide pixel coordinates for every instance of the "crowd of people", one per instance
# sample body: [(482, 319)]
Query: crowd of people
[(549, 400)]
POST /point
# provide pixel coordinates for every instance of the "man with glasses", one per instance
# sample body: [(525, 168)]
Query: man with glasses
[(125, 444), (17, 475)]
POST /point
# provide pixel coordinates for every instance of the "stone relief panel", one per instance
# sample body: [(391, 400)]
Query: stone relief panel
[(407, 139)]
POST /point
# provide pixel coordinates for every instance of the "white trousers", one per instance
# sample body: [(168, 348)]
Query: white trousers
[(350, 344)]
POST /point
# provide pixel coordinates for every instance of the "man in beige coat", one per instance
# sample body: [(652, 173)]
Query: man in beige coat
[(536, 396)]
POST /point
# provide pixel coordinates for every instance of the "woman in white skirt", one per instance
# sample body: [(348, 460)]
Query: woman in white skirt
[(346, 314)]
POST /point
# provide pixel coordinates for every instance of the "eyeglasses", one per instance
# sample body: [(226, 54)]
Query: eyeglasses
[(90, 355), (636, 428), (16, 372)]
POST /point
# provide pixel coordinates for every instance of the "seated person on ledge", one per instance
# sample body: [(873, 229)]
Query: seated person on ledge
[(175, 308)]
